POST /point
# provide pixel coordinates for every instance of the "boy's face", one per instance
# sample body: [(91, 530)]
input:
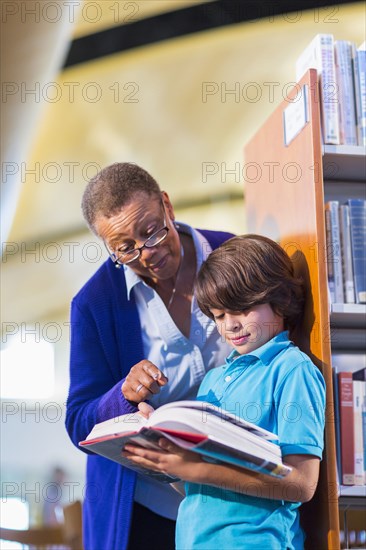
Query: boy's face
[(248, 330)]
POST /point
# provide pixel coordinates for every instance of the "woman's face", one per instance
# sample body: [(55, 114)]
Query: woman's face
[(136, 222)]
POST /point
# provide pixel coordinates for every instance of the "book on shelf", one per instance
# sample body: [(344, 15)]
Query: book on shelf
[(359, 84), (359, 398), (359, 68), (337, 422), (350, 421), (347, 442), (341, 68), (346, 254), (364, 432), (345, 229), (319, 55), (357, 216), (215, 434), (360, 375), (334, 256), (346, 92)]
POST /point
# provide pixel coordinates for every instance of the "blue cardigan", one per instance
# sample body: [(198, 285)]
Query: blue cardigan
[(105, 343)]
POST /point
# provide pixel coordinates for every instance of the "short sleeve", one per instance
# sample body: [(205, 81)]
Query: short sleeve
[(300, 404)]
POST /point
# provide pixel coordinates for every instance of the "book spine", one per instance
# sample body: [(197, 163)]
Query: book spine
[(345, 388), (364, 431), (357, 215), (346, 96), (337, 256), (307, 60), (337, 421), (346, 254), (357, 89), (358, 398), (361, 62), (334, 251), (319, 55), (329, 90), (360, 375), (330, 266), (329, 255)]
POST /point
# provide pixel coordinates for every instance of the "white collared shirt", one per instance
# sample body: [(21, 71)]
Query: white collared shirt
[(183, 361)]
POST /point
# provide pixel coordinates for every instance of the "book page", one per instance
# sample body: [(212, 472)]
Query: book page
[(180, 420), (125, 423), (209, 409)]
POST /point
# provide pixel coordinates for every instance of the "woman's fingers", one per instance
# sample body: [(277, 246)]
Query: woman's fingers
[(143, 380)]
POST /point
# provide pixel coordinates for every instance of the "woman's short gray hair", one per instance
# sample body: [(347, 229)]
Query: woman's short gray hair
[(113, 187)]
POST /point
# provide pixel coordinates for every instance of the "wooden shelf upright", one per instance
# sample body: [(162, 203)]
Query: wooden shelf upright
[(284, 196)]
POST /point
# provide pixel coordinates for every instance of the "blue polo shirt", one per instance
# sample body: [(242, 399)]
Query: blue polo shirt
[(277, 387)]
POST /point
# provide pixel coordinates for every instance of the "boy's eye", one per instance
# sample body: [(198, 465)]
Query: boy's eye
[(219, 316)]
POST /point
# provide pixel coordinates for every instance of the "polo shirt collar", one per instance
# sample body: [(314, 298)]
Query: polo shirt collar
[(265, 353)]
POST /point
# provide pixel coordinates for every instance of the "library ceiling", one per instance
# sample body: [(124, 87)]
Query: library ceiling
[(177, 87)]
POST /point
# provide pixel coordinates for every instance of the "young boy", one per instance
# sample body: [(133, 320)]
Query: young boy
[(248, 287)]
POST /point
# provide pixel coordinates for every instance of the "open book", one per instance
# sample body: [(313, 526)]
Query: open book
[(217, 435)]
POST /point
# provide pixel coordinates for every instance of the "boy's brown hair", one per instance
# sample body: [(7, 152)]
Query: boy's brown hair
[(247, 271)]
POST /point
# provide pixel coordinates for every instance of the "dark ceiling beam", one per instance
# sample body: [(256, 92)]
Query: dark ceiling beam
[(200, 17)]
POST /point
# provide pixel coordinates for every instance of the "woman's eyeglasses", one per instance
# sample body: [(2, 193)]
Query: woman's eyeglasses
[(126, 257)]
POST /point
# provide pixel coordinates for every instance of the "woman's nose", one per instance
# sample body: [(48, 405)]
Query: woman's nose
[(146, 253)]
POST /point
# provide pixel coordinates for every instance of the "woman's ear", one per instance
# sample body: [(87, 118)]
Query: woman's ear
[(168, 205)]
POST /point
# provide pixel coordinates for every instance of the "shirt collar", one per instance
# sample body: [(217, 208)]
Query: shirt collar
[(265, 353), (132, 279), (202, 251)]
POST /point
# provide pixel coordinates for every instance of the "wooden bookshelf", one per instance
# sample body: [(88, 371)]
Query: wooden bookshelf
[(348, 315), (344, 162), (284, 195)]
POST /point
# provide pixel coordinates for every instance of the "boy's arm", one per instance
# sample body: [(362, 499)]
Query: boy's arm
[(298, 486)]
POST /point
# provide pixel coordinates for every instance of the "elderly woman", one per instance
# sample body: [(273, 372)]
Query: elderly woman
[(137, 334)]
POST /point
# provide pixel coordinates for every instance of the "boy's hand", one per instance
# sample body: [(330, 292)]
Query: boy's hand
[(170, 460), (145, 409)]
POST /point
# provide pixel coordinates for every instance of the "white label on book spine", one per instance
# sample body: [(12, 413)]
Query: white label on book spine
[(295, 116)]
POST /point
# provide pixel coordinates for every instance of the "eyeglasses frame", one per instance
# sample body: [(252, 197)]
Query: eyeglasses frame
[(117, 262)]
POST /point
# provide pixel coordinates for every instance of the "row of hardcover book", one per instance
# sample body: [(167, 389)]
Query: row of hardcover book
[(350, 418), (352, 538), (345, 226), (341, 68)]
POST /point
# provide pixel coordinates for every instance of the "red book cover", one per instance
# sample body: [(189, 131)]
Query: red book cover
[(345, 389)]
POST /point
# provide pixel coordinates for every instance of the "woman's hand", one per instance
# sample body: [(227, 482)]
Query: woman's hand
[(170, 460), (143, 380)]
